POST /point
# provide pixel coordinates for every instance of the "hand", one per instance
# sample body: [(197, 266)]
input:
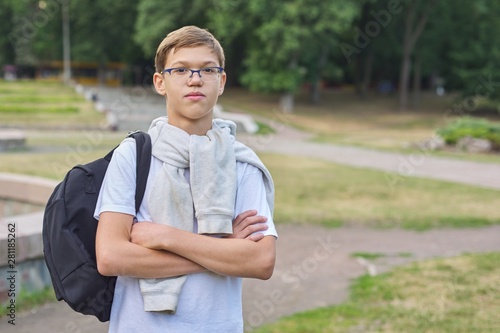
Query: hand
[(148, 234), (247, 226)]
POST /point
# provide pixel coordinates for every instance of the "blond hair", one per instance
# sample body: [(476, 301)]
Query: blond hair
[(188, 36)]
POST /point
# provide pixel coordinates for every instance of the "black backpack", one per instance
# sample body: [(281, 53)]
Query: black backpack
[(69, 230)]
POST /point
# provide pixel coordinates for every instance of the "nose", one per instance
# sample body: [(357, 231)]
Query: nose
[(195, 79)]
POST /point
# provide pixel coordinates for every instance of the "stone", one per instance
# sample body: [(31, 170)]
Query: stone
[(12, 139), (474, 145), (243, 121), (23, 234)]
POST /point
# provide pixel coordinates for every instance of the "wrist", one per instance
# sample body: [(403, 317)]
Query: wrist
[(168, 238)]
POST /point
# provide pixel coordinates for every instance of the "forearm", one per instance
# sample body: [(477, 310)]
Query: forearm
[(137, 261), (232, 257), (116, 255), (243, 254)]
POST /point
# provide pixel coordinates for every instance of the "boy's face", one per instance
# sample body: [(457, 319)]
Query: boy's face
[(190, 101)]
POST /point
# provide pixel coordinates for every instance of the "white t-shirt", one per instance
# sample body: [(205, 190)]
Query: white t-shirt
[(208, 302)]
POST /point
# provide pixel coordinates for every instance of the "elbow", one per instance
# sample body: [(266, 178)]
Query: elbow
[(265, 275), (266, 268), (104, 263), (266, 258)]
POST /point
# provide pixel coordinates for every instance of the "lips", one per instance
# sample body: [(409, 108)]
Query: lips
[(195, 94)]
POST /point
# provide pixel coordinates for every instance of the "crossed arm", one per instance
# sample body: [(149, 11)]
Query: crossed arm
[(150, 250)]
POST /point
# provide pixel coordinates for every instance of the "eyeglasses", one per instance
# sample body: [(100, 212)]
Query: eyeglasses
[(207, 74)]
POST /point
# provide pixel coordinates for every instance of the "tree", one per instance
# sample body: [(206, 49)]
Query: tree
[(431, 57), (369, 41), (414, 26), (475, 57), (7, 56), (156, 18), (102, 31), (26, 20), (283, 37)]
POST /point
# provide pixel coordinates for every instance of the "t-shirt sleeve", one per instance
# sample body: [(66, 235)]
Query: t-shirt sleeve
[(251, 194), (117, 192)]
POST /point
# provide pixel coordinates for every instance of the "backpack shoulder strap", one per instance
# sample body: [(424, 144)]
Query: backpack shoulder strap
[(143, 144)]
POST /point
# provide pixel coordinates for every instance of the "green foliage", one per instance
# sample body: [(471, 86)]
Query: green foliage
[(6, 14), (289, 38), (271, 46), (155, 19), (473, 54), (471, 127), (102, 31)]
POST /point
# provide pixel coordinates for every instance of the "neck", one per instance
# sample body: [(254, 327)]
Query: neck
[(198, 127)]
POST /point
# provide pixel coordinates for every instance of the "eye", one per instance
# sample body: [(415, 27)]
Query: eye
[(209, 70), (180, 71)]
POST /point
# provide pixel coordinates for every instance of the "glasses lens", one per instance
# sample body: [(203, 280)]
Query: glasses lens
[(209, 73)]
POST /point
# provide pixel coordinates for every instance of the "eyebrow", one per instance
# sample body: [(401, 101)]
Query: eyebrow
[(182, 63)]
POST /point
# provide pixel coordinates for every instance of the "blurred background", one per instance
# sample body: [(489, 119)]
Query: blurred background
[(379, 120)]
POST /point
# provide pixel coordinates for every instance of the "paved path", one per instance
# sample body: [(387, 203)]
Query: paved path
[(315, 265)]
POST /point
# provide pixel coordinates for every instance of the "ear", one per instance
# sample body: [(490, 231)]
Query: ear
[(222, 83), (159, 82)]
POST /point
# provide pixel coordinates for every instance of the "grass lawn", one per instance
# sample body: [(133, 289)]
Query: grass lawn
[(45, 105), (456, 295), (316, 192)]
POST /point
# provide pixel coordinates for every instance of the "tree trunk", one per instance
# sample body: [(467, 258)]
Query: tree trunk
[(357, 75), (417, 78), (316, 91), (287, 99), (404, 81), (404, 74), (286, 102), (411, 36), (367, 75), (316, 87)]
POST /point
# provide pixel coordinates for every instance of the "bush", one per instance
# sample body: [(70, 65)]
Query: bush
[(478, 128)]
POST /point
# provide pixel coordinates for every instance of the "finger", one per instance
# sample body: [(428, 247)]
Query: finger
[(251, 229), (256, 227), (255, 237), (242, 216), (257, 219)]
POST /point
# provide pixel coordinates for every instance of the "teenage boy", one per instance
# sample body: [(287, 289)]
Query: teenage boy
[(209, 197)]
